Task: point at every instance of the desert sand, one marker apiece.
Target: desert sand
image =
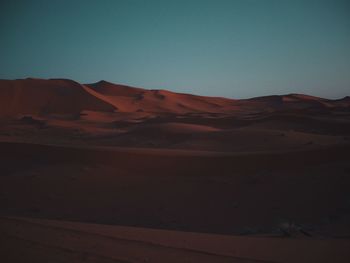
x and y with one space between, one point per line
109 173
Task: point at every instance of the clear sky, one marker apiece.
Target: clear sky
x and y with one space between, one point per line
232 48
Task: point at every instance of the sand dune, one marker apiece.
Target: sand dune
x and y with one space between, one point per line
135 99
104 113
60 96
264 179
41 97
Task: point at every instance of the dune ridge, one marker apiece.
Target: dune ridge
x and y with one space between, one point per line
63 96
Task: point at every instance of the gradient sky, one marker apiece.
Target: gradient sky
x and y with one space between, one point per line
232 48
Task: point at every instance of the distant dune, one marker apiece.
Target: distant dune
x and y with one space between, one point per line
103 113
62 96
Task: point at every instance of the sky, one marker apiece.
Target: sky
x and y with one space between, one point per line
229 48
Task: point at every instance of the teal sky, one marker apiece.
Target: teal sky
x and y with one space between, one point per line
231 48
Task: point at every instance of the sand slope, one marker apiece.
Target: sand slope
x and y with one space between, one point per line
129 99
48 240
41 97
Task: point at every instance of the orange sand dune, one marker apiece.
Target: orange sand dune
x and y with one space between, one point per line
59 96
107 114
128 99
41 97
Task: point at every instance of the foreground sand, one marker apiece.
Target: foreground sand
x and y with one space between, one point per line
64 241
184 190
271 207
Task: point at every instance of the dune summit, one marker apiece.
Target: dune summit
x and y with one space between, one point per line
110 173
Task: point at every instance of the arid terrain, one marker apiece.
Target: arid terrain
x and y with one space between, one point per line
109 173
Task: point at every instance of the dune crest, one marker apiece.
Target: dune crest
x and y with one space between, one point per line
62 96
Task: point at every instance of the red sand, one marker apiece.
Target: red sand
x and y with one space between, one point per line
274 170
105 243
